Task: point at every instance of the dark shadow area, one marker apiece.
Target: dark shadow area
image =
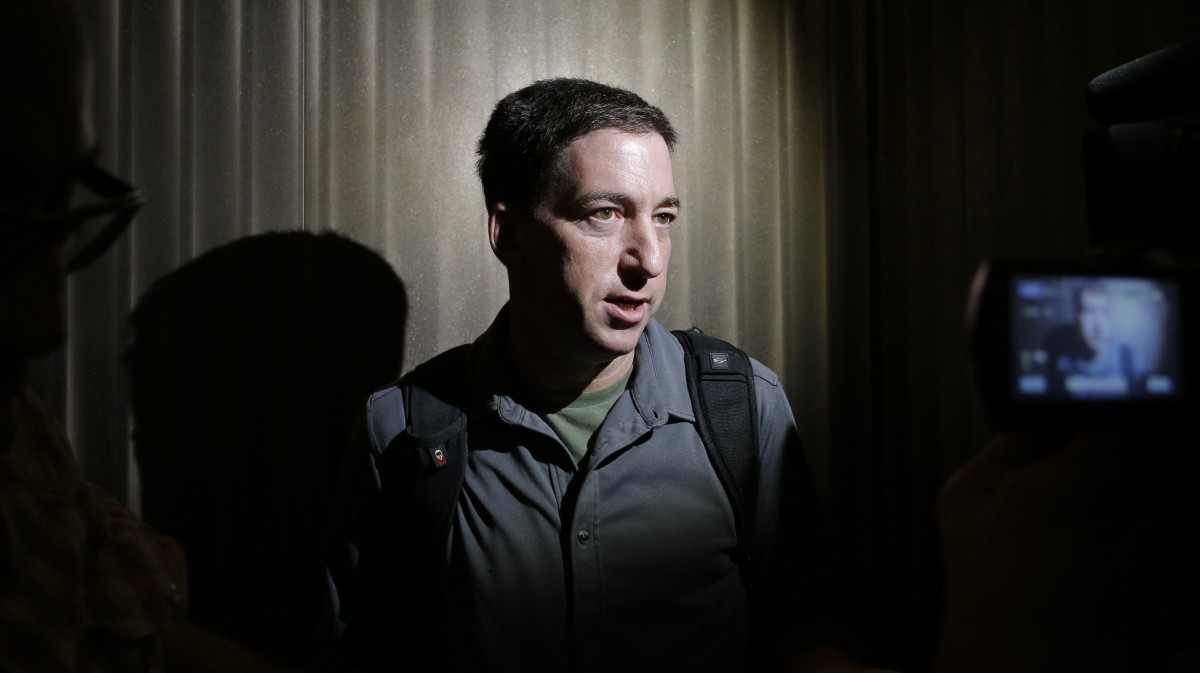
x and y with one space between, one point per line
248 368
968 142
1069 540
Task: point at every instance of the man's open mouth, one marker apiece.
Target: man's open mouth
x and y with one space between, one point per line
627 304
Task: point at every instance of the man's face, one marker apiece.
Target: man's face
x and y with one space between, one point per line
1095 319
590 269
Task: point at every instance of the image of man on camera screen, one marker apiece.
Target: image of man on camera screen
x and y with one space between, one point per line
1112 345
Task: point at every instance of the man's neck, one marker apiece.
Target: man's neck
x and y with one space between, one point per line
548 368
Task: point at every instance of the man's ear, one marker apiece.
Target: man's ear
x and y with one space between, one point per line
503 223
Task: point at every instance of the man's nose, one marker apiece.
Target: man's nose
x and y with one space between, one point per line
647 248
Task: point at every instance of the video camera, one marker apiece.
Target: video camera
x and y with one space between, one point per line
1100 343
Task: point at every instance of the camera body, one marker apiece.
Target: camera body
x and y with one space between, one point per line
1083 346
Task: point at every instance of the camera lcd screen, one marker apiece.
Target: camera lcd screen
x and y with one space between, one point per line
1108 338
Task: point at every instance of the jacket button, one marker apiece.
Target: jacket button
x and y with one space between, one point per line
583 536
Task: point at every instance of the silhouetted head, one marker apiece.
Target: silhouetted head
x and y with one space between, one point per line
45 131
248 368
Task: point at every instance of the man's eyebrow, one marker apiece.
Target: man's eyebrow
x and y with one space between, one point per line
589 198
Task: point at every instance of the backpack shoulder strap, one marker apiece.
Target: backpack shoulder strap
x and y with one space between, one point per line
419 427
720 381
428 403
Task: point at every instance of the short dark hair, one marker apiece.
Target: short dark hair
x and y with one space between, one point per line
530 130
1077 296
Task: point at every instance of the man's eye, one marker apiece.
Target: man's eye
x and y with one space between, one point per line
604 214
664 219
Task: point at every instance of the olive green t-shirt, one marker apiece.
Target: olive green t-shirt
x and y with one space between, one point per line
577 416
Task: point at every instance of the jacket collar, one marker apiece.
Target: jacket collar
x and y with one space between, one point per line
657 390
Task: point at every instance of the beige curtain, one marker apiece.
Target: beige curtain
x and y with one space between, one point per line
361 116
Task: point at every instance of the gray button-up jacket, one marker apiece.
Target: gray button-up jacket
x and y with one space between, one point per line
624 562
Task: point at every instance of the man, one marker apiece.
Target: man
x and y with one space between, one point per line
590 531
1087 359
83 584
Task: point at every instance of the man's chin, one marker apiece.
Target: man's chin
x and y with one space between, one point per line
618 342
